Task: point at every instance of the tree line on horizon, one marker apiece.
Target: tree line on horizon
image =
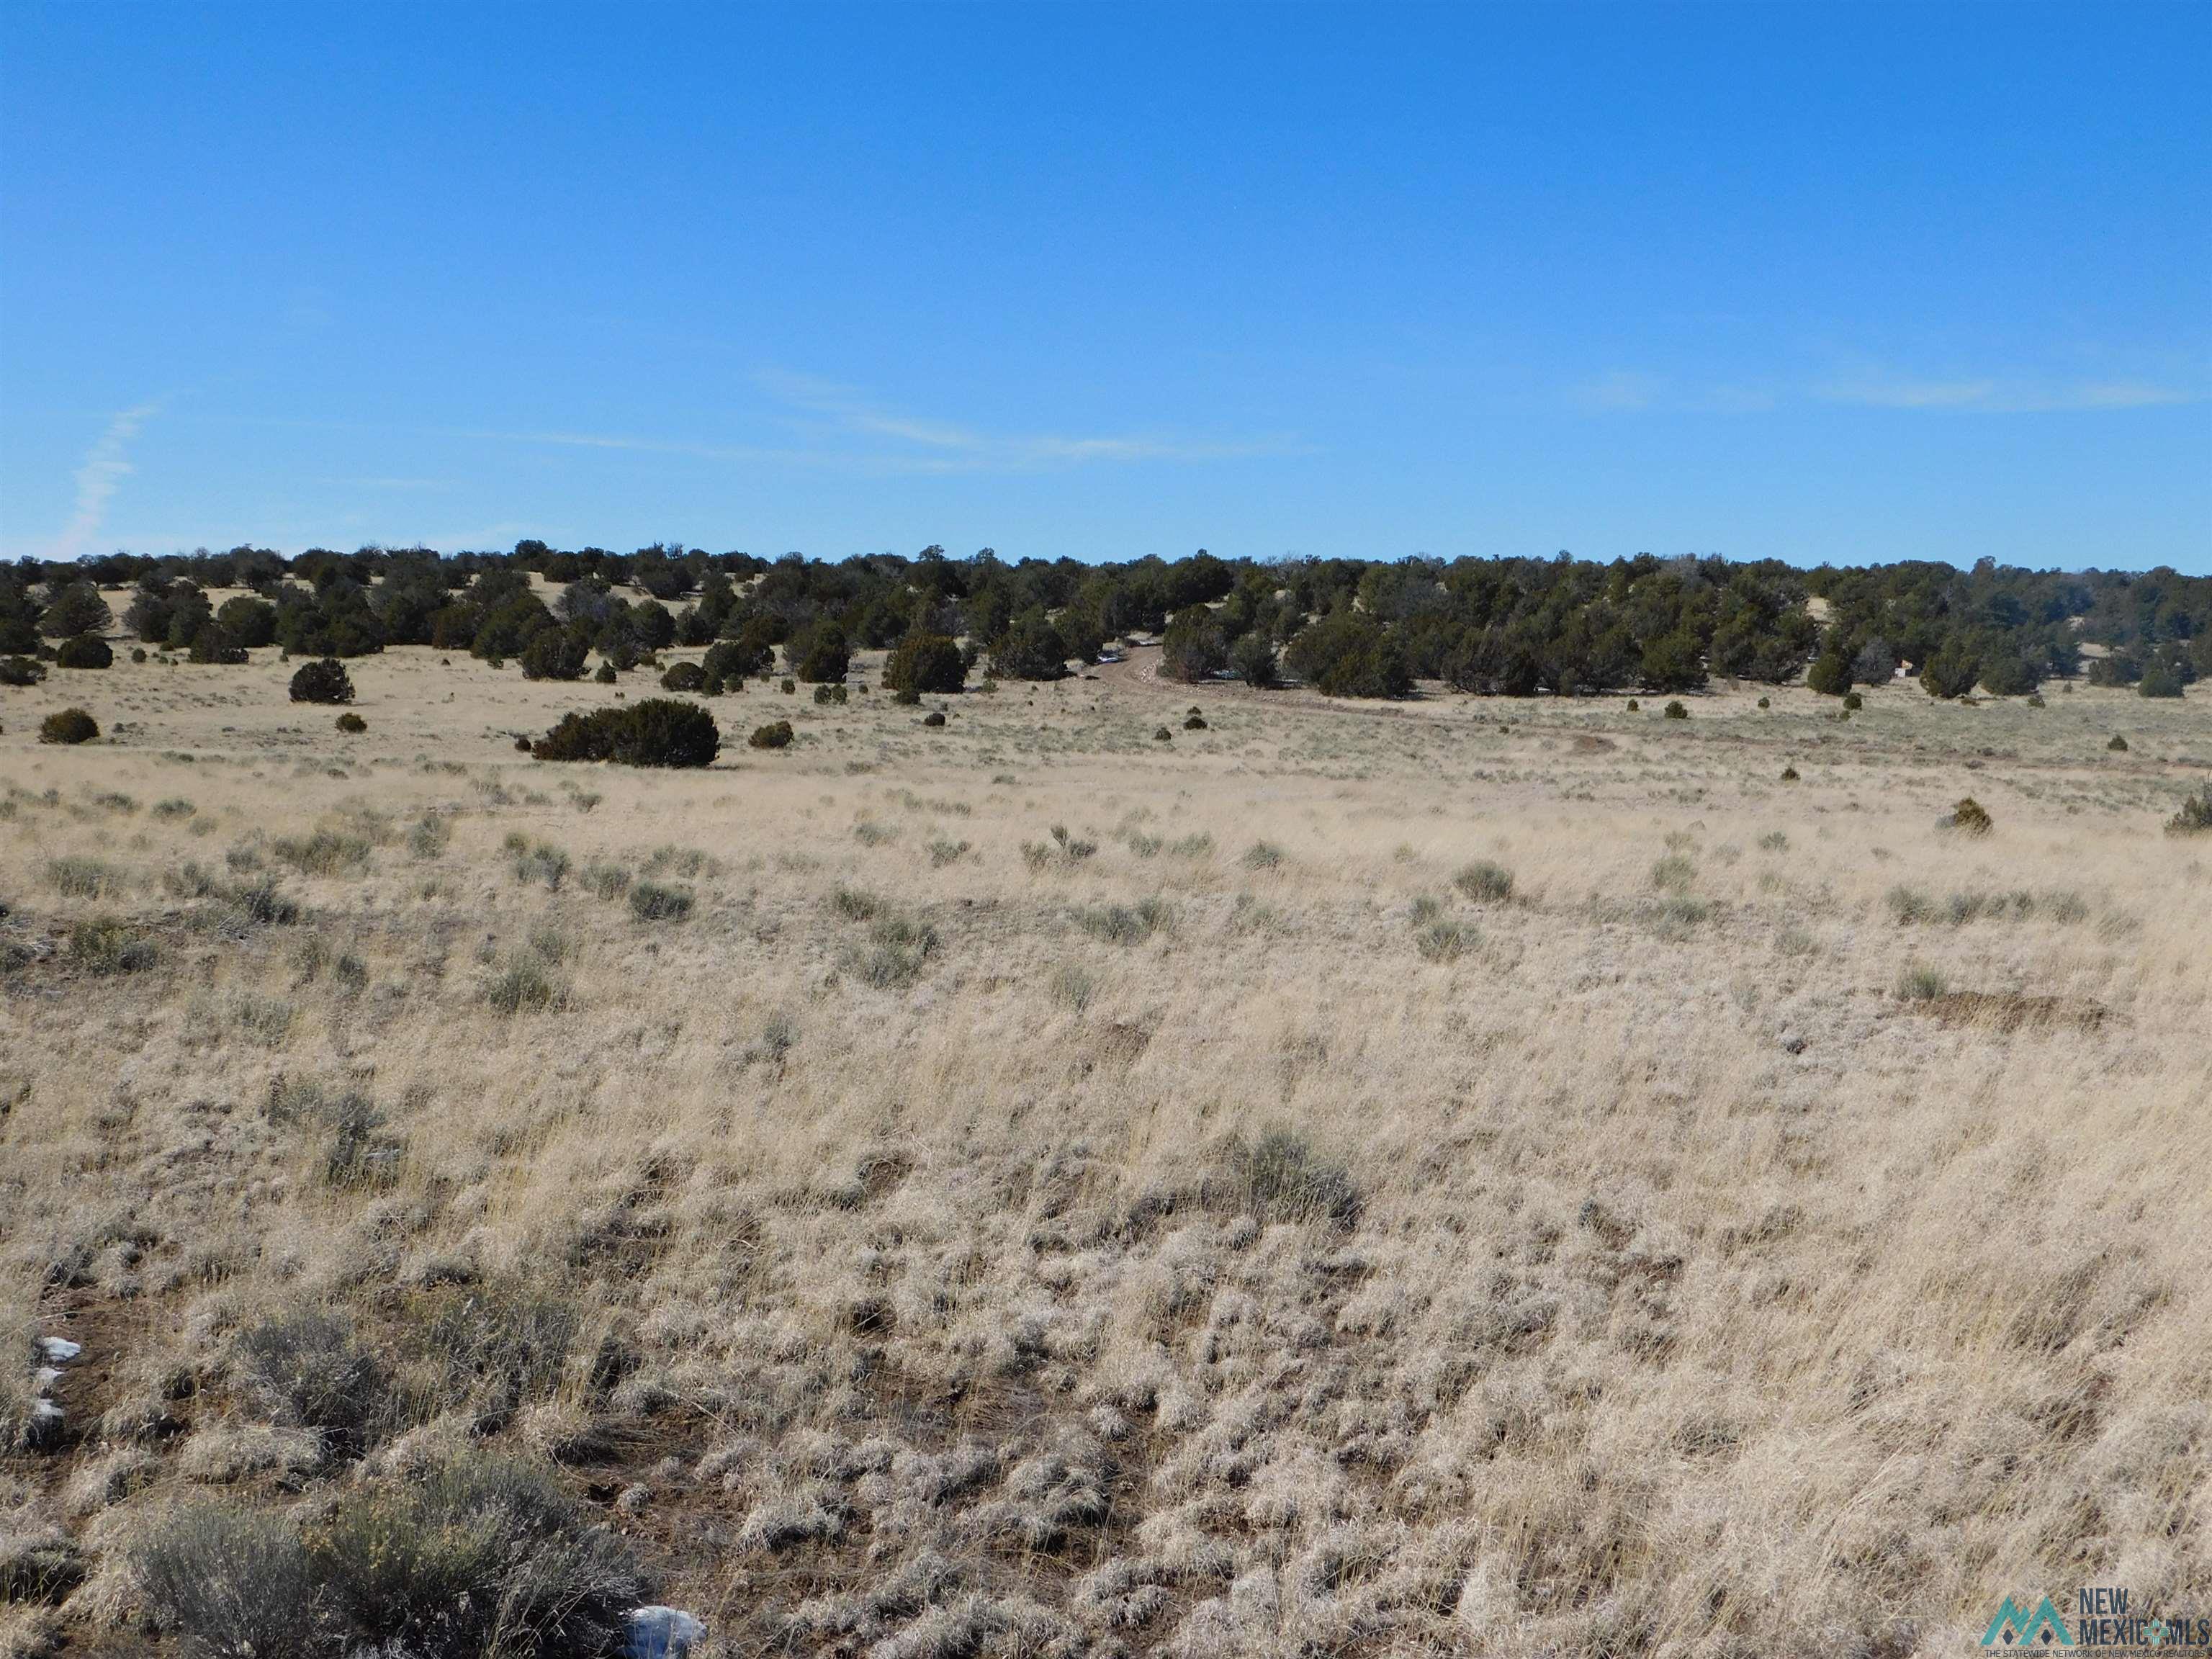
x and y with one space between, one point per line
1512 627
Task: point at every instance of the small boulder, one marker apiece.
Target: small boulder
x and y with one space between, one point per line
662 1633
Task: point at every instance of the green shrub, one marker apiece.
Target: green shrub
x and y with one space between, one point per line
935 717
1444 938
1194 722
789 688
1830 674
211 644
606 675
1163 736
650 901
777 735
683 677
21 671
1920 984
67 725
1484 882
351 724
325 680
543 862
734 661
2118 746
1126 924
250 623
897 950
1789 774
2160 679
522 986
1262 855
1675 711
554 654
1952 671
325 853
1853 702
656 731
1766 702
84 650
924 662
826 657
2194 817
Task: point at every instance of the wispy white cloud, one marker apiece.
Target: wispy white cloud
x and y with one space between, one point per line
106 465
926 445
385 483
1623 391
1999 395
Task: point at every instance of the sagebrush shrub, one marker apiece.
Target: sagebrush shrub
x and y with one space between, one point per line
1444 938
1484 882
1279 1177
898 949
325 680
351 724
235 1583
650 901
104 945
478 1556
21 671
1675 711
305 1369
2118 746
934 717
776 734
1920 984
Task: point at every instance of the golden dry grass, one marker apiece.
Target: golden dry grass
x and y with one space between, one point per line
1778 1226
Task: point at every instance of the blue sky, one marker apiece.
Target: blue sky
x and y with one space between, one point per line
1850 283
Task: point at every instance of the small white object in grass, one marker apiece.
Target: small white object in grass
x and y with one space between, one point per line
43 1378
58 1351
662 1633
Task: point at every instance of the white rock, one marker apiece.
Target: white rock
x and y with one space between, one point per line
58 1351
662 1633
43 1378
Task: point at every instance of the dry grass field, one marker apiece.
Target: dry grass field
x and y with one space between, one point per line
1466 1177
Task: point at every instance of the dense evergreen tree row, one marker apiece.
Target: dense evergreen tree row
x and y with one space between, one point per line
1512 627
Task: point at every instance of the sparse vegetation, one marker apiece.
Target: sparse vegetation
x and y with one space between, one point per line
1046 1193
